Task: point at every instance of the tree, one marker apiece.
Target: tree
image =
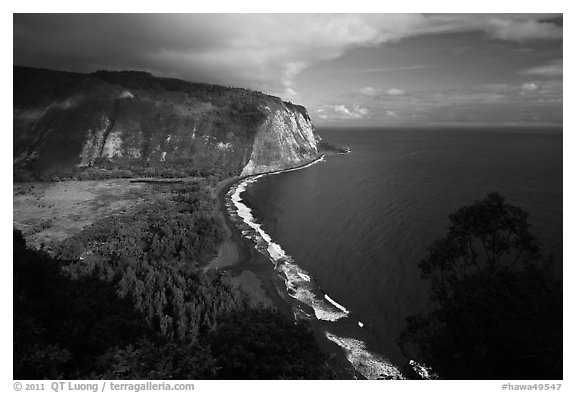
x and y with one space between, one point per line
497 304
263 344
62 326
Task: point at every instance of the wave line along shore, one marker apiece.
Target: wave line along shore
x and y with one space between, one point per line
298 282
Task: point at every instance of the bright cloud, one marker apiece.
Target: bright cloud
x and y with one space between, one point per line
342 112
377 92
529 86
395 92
370 91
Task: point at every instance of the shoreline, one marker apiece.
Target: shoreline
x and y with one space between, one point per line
246 269
237 255
251 271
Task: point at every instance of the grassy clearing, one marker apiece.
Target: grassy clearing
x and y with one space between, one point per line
48 213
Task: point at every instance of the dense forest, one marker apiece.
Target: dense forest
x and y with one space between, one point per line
126 299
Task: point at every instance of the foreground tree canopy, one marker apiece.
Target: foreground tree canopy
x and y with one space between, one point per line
497 304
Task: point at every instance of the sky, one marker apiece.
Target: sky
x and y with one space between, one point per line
347 69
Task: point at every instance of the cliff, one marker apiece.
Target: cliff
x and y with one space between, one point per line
284 139
109 124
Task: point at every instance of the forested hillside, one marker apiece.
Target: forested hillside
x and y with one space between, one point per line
126 299
112 124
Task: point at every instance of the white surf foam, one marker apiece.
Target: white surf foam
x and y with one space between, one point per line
422 370
299 287
369 364
338 306
297 280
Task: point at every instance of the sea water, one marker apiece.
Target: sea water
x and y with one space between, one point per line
345 235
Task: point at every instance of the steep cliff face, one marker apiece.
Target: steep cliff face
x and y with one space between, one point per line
285 139
133 124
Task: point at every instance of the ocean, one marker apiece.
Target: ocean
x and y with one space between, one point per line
345 234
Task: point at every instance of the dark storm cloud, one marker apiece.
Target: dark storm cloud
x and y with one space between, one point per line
88 42
273 52
261 50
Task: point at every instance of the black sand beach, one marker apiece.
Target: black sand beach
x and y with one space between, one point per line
248 269
254 274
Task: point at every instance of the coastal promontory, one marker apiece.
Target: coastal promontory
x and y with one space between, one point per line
128 123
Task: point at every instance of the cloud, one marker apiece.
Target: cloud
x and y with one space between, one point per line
529 86
386 69
513 30
395 92
262 51
354 113
551 70
510 103
378 93
490 94
370 91
342 112
503 95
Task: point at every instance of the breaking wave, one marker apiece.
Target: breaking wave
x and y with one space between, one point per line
369 364
298 282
